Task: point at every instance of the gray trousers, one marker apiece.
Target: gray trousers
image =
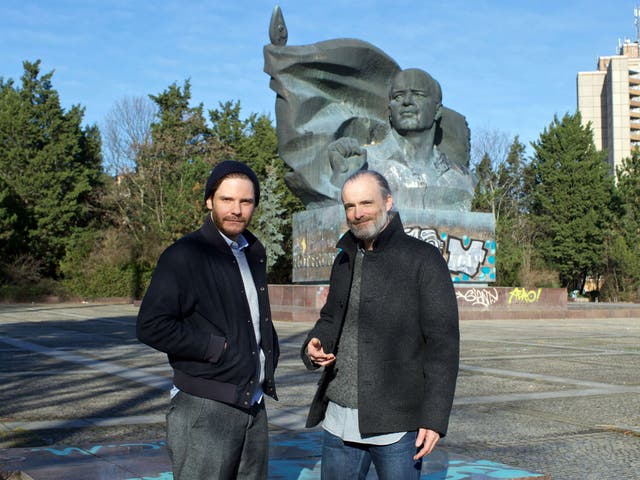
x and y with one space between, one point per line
210 440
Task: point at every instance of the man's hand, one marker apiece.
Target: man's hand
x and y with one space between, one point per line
426 439
316 354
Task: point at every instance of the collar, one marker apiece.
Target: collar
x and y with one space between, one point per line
238 244
350 243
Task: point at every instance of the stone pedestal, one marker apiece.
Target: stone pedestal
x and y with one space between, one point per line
465 239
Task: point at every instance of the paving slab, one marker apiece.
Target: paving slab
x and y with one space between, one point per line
80 398
293 455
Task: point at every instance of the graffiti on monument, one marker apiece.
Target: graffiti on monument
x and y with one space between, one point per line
483 297
467 258
522 295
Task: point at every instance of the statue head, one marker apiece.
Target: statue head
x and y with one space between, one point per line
415 101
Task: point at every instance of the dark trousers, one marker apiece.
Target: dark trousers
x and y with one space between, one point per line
351 461
207 439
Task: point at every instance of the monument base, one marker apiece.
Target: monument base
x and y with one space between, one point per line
302 303
465 239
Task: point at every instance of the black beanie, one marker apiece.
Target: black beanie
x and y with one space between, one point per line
228 167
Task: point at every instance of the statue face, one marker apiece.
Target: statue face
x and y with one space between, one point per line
414 104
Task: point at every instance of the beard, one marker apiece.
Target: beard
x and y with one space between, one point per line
367 231
230 225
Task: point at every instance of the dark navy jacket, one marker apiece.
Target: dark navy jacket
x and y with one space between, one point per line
196 303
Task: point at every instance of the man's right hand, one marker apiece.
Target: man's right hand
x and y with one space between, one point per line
316 353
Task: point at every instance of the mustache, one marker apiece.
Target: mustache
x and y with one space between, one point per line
362 220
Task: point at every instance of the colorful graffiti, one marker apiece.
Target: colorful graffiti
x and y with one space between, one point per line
428 235
522 295
468 259
483 297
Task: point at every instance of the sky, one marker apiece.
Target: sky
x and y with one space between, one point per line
508 66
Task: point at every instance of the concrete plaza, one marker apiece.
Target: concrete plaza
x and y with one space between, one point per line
80 398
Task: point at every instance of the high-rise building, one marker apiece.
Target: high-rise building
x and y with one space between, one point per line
609 98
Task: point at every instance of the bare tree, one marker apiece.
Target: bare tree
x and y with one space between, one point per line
127 129
489 153
126 133
493 143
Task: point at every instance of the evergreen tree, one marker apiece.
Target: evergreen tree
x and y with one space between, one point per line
500 191
50 168
622 277
511 175
571 197
270 219
11 214
483 200
229 129
513 228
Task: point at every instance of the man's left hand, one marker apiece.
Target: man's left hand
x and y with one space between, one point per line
426 439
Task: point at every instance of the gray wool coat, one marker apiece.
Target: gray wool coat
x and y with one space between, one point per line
408 336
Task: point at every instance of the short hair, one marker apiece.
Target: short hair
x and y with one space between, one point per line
382 182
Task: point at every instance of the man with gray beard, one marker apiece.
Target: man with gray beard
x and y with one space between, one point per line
388 340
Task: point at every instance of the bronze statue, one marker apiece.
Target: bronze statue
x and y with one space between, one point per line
418 172
344 105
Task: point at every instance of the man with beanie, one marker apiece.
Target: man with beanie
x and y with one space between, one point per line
388 339
207 308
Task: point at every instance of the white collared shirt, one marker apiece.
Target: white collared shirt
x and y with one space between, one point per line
237 247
